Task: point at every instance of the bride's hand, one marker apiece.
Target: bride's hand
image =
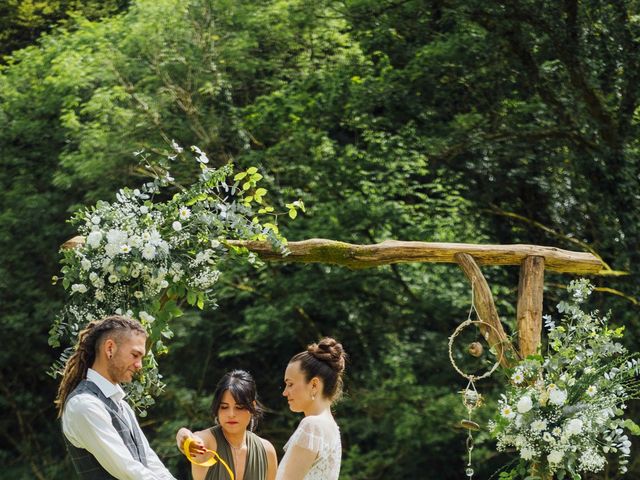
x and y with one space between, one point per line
195 447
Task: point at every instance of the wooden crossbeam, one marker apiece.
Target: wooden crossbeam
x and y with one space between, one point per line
319 250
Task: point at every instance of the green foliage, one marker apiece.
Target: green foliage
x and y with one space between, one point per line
413 120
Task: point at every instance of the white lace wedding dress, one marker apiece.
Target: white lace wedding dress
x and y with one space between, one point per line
320 434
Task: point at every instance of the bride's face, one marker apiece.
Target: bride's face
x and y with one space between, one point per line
297 390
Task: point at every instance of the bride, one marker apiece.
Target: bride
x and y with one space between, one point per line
313 381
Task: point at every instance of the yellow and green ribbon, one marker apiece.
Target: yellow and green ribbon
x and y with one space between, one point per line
212 460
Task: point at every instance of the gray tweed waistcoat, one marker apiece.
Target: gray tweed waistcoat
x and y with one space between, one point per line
86 465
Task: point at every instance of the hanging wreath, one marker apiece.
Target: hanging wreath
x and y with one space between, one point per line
147 253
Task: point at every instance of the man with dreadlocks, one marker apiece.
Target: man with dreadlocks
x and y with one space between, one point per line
100 429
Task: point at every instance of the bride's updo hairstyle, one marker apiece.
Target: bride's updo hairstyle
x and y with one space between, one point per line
325 360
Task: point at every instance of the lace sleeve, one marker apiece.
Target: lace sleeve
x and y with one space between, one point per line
308 435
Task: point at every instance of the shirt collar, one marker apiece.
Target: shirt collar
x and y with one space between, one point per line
110 390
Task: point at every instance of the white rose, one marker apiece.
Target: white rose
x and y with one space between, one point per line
524 404
85 264
177 226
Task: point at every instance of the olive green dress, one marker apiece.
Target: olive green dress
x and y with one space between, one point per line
256 466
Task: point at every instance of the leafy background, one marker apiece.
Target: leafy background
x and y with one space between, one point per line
433 120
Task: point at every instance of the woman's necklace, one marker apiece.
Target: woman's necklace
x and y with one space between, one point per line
236 451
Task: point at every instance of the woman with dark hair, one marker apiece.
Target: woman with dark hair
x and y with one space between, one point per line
313 382
236 410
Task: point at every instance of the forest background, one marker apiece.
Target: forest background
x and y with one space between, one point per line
433 120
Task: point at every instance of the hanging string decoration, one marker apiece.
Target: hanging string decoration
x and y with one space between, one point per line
471 399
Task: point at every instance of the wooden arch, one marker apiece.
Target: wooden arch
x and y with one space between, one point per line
532 259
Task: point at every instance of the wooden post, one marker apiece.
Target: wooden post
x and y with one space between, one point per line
529 310
486 308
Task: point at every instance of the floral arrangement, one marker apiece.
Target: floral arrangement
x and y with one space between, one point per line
147 253
563 413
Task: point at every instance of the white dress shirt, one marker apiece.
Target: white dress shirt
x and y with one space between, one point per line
87 424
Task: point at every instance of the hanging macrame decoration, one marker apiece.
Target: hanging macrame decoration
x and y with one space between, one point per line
471 399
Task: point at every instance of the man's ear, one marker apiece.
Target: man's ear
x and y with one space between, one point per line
110 347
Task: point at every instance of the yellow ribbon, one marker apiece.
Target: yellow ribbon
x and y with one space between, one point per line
215 458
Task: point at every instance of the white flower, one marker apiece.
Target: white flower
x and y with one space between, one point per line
144 209
113 278
149 252
124 248
184 213
202 157
85 264
557 396
138 294
547 437
574 427
155 238
538 425
146 317
517 377
589 370
557 431
592 390
555 456
524 404
94 239
177 226
100 295
215 243
527 453
176 147
135 241
78 287
96 220
164 284
507 412
117 237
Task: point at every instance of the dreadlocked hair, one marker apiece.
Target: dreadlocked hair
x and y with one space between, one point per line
89 341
